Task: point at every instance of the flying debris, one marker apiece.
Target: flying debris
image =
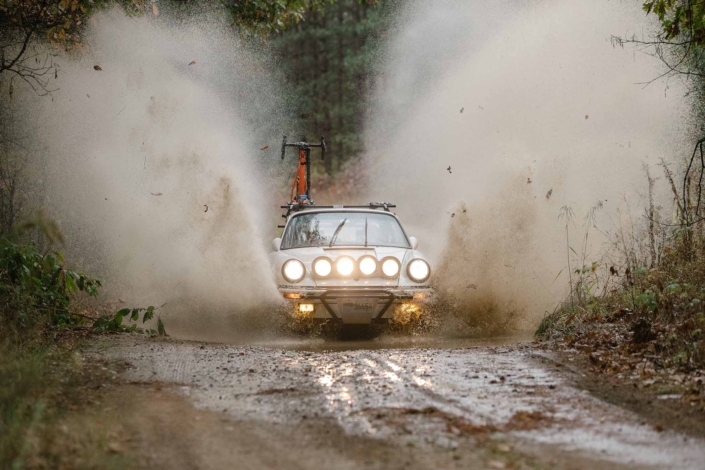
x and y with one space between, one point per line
449 169
548 194
97 67
206 206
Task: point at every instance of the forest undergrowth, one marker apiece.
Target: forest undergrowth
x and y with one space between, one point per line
46 311
638 313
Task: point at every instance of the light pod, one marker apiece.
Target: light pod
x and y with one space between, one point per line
293 271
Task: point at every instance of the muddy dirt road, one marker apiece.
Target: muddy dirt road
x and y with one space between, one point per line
377 405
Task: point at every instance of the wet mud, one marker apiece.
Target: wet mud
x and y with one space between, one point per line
412 395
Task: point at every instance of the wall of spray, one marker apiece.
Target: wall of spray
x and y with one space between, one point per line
152 164
533 109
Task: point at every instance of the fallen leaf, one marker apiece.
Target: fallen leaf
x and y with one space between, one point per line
156 194
121 301
471 286
206 206
265 147
97 67
528 180
155 10
453 214
548 194
115 448
193 62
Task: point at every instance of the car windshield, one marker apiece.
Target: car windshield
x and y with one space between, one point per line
344 229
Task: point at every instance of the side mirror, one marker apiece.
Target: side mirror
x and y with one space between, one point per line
414 242
276 244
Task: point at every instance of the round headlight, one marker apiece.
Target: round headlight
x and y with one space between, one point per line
368 265
322 267
345 266
390 267
293 270
418 270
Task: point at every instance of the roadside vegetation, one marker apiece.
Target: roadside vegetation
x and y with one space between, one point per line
639 312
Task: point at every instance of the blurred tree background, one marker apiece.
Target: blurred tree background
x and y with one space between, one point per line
329 63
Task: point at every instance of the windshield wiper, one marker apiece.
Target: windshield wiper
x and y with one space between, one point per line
337 231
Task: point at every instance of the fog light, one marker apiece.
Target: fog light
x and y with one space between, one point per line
292 295
306 308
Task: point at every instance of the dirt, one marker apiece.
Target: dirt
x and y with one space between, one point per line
199 405
660 407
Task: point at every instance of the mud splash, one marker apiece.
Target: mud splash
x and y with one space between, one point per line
492 117
150 165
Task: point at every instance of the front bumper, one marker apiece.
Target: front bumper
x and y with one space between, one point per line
355 305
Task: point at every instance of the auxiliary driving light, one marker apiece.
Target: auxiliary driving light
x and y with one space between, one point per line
390 267
368 265
345 265
306 308
293 270
322 267
418 270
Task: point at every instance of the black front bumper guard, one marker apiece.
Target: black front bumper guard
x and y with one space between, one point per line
383 295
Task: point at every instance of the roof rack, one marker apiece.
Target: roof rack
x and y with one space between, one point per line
293 207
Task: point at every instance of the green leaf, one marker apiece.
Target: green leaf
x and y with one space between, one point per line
135 314
122 313
559 273
160 327
149 314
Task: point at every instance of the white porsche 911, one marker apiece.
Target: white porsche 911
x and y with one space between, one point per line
349 265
